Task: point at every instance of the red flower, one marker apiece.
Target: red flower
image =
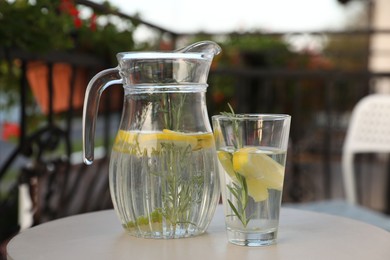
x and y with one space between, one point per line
73 11
77 22
93 22
68 7
65 6
10 130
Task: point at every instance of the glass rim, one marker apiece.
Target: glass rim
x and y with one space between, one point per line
248 116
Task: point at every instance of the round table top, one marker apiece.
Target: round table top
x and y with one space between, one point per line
302 235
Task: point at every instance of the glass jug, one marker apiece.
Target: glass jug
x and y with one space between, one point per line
163 169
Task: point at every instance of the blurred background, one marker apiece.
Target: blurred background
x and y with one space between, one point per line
312 59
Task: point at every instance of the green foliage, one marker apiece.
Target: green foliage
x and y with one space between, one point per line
47 25
348 53
241 52
34 27
9 79
257 43
106 41
258 51
43 26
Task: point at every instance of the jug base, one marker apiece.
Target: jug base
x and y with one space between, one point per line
178 233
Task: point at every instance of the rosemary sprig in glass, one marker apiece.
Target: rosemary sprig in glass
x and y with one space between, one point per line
239 188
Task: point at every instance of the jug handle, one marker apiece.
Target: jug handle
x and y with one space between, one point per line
95 87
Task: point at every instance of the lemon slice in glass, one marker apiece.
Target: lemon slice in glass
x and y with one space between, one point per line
225 160
252 164
256 188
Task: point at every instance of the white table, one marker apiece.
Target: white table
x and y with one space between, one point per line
302 235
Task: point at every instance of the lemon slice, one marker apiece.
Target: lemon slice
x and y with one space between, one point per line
259 166
134 142
153 141
225 160
256 188
203 140
125 142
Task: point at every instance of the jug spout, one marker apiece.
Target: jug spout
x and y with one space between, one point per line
206 47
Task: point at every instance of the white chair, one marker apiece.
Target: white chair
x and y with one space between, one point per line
368 132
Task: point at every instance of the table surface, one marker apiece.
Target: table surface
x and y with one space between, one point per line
302 235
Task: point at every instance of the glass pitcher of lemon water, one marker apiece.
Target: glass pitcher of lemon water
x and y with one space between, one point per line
163 168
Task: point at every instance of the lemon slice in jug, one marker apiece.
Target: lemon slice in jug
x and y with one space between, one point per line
203 140
134 142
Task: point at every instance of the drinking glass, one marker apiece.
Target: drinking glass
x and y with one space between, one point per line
252 150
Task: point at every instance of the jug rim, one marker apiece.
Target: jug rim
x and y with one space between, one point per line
155 55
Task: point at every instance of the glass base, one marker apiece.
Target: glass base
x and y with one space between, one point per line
248 238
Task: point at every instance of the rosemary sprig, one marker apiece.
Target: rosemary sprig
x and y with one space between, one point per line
239 188
179 194
172 110
236 140
240 192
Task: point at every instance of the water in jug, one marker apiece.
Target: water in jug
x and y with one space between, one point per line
163 173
